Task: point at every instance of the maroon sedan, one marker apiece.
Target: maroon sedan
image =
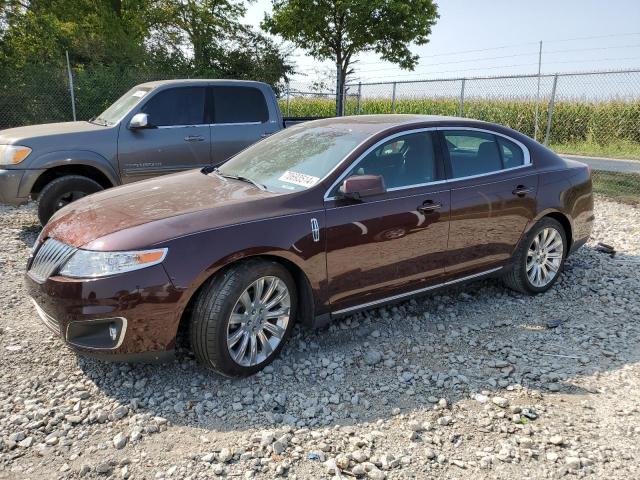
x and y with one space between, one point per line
322 219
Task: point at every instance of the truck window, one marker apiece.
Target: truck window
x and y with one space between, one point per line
239 105
177 106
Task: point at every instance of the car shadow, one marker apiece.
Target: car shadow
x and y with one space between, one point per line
461 341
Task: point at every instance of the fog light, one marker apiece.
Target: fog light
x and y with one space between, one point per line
102 333
113 332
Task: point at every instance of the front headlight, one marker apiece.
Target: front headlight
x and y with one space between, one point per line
91 264
13 154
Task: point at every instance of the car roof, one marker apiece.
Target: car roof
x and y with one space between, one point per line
202 81
373 124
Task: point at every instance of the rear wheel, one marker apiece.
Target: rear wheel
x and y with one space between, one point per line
61 192
243 317
539 259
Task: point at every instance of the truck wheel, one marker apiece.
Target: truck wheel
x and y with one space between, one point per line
61 192
243 317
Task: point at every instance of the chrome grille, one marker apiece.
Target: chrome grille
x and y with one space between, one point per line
49 258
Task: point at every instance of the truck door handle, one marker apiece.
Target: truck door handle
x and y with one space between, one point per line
521 190
429 206
194 138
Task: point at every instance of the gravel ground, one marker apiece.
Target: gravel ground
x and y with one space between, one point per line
475 382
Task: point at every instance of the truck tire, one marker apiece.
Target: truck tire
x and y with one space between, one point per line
61 192
243 317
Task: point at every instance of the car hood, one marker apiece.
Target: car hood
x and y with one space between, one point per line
32 133
149 212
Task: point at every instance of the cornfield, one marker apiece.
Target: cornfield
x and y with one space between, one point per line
597 123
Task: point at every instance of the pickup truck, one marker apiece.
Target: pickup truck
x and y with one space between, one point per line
154 129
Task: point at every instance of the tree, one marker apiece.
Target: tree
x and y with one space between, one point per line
339 29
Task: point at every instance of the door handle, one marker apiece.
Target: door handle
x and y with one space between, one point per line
521 190
429 206
194 138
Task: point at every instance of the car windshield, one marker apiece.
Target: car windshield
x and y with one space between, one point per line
121 107
294 159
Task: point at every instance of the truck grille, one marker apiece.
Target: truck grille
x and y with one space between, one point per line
49 258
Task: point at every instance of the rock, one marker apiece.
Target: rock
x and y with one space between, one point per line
429 454
573 463
120 440
278 447
225 455
376 474
500 402
372 357
120 412
556 440
208 458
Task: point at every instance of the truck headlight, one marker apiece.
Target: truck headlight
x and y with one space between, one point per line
92 264
13 154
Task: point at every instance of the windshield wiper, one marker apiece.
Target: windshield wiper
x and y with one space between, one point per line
241 178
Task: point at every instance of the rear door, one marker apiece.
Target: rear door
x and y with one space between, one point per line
493 197
240 118
179 137
394 242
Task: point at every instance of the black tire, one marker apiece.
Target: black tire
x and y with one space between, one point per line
214 305
62 191
517 278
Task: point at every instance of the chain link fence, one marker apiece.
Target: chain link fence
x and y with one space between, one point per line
590 114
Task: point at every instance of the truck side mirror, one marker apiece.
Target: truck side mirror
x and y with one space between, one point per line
138 121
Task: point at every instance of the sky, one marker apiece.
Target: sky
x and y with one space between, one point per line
497 37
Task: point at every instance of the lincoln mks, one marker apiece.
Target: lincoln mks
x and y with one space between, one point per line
317 221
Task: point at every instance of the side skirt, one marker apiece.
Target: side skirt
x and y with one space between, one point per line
403 296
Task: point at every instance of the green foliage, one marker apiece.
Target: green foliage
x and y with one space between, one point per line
340 29
194 38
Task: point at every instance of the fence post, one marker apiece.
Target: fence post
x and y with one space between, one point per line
393 99
552 102
288 99
73 98
535 126
338 91
359 96
462 98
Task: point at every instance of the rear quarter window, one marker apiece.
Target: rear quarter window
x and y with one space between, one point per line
239 105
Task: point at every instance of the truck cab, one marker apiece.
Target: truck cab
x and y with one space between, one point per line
154 129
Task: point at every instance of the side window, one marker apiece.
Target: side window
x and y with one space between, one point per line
404 161
176 106
472 153
239 105
512 155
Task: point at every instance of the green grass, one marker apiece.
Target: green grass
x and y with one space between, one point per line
616 149
620 186
608 129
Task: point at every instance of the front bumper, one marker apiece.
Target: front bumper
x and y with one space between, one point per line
127 317
10 187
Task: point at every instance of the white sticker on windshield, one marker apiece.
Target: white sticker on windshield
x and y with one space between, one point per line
298 178
139 93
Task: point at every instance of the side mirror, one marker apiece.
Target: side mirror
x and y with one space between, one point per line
139 120
358 186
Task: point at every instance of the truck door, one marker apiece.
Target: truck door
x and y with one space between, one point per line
179 137
240 118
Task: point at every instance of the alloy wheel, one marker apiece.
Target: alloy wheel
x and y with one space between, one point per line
544 257
258 321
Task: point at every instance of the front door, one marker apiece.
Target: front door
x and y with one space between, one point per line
179 137
493 197
240 118
394 242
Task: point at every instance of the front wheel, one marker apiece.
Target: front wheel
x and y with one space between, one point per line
61 192
243 317
539 258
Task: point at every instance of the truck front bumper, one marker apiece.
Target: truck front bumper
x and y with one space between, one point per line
10 187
